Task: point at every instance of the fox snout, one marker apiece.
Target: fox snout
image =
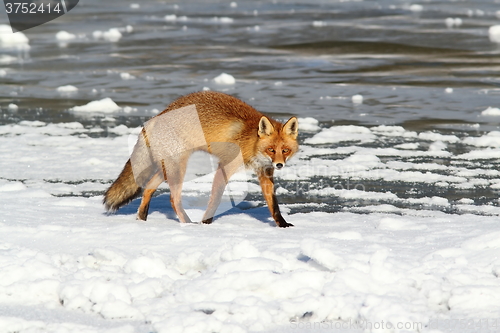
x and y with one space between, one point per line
278 166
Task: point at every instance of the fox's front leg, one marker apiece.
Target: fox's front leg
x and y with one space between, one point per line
267 184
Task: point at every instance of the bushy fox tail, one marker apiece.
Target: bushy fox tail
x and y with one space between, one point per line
123 190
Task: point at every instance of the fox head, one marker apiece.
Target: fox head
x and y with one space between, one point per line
278 143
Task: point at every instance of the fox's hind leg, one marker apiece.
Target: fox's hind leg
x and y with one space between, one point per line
151 186
175 170
221 179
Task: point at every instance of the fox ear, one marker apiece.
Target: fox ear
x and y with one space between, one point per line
265 127
291 128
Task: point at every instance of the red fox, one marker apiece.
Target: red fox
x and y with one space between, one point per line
228 127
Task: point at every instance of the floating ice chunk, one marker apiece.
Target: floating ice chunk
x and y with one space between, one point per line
3 72
135 6
10 39
318 24
393 131
416 8
127 76
431 136
174 17
112 35
492 139
466 201
448 90
224 20
128 109
494 33
308 124
7 59
409 146
35 123
67 89
438 146
72 125
357 99
491 111
104 105
13 107
233 5
342 134
225 79
453 22
65 36
129 28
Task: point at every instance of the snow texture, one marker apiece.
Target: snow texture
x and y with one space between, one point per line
68 267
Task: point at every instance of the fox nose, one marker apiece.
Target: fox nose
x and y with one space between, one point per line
279 165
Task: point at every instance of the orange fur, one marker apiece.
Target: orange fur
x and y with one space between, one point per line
265 145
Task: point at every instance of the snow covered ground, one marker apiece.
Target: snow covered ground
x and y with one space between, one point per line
390 263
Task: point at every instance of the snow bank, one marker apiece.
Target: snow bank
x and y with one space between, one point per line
67 266
105 105
233 277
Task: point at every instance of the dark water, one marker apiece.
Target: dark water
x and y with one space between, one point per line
304 58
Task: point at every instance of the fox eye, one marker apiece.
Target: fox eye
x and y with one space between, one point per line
286 151
271 150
